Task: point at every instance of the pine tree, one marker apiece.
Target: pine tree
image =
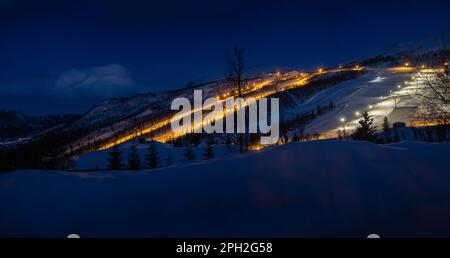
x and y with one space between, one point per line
115 158
339 134
141 140
169 159
386 125
134 161
295 138
189 154
152 157
387 130
208 152
366 130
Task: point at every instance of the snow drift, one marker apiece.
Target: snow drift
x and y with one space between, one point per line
312 189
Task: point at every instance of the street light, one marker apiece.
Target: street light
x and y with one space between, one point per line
356 113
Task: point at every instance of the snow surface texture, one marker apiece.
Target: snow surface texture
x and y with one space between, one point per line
312 189
375 92
99 159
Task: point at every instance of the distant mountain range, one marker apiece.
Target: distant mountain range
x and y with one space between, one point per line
15 124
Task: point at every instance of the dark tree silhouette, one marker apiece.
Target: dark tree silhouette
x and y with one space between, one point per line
189 153
134 161
235 70
115 158
386 125
387 130
152 157
366 130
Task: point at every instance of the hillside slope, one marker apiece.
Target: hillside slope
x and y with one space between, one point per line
16 124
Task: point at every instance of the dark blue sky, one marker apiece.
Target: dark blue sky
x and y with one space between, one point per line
63 56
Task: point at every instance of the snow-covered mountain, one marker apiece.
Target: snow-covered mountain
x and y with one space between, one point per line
15 124
352 90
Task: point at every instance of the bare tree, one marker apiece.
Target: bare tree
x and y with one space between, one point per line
433 94
235 70
432 86
284 131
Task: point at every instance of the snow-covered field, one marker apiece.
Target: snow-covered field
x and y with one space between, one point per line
310 189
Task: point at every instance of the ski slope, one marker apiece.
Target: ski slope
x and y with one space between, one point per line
375 92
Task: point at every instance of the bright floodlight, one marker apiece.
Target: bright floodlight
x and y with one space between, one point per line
370 106
342 119
398 86
356 113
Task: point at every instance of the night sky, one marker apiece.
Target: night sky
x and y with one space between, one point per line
64 56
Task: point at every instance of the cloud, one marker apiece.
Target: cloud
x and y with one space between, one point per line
104 81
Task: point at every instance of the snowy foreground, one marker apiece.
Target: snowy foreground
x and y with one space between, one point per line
314 189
